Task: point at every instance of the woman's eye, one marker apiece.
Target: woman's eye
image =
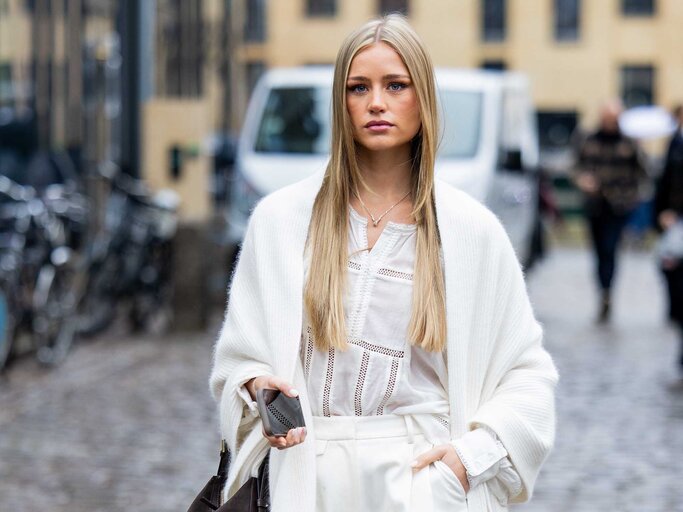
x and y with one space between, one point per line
354 88
397 86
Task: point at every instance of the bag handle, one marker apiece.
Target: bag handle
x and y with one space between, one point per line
218 482
263 501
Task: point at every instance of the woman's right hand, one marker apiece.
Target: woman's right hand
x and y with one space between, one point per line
294 436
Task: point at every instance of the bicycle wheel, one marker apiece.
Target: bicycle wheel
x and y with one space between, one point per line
7 322
97 306
54 324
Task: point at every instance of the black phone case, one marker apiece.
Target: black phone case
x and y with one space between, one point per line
279 412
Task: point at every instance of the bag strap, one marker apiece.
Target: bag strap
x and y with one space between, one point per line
263 501
218 482
224 464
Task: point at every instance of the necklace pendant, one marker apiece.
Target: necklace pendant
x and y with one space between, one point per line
375 222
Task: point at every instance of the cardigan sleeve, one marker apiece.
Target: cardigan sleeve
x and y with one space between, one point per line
241 351
518 396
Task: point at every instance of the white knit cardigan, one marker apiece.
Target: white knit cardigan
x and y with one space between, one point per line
499 374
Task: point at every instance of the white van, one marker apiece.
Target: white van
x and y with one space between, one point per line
489 147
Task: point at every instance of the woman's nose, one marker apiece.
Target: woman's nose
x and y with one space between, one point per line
377 102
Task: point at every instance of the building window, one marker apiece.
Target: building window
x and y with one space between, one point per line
567 19
387 6
321 7
493 65
254 71
638 7
493 20
637 85
555 128
255 22
179 48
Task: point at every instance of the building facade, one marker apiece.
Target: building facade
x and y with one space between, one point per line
577 53
200 59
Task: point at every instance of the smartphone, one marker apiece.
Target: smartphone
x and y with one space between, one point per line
280 413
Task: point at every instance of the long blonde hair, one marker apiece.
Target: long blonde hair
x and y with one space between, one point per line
327 244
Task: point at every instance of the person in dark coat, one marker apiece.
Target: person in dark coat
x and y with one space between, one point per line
610 175
668 211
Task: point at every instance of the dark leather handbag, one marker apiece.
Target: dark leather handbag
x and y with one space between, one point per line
253 496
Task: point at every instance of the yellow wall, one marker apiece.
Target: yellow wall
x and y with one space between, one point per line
15 44
184 122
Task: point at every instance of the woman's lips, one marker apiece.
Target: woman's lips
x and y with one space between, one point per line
379 127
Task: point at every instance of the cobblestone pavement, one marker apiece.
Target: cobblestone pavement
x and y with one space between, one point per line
620 420
127 424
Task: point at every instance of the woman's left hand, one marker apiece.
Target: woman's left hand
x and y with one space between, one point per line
445 453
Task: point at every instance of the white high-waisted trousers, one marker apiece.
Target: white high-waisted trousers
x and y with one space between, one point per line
363 464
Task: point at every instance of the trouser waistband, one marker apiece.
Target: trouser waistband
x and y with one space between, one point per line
368 427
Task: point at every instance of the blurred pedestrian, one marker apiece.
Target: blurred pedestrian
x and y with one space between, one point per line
610 174
408 339
669 215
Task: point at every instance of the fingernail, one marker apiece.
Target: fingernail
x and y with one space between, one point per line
413 464
293 392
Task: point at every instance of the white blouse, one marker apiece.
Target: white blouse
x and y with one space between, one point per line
380 372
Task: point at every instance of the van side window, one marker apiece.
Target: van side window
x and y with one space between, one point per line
515 130
461 116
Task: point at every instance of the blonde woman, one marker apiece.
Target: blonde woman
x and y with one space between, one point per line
393 305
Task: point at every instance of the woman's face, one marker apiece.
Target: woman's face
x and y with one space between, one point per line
379 90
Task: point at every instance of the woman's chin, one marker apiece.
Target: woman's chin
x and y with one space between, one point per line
378 144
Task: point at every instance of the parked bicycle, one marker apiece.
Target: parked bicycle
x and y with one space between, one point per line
130 261
39 236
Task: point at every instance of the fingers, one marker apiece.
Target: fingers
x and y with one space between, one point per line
274 382
294 437
425 459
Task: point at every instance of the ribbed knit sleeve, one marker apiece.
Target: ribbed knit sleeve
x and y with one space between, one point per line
519 390
241 351
260 335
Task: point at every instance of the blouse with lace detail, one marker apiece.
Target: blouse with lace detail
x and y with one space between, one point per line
380 372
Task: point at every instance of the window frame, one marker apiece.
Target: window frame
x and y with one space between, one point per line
255 21
382 9
623 79
488 33
562 31
630 9
321 8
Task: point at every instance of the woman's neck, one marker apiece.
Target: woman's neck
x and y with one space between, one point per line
388 173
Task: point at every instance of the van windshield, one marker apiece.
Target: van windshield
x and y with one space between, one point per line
461 115
297 120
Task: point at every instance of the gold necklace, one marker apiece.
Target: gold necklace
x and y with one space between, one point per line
376 221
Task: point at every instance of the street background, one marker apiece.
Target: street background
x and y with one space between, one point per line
134 111
127 423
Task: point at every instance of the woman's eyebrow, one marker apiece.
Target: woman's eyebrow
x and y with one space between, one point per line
385 77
